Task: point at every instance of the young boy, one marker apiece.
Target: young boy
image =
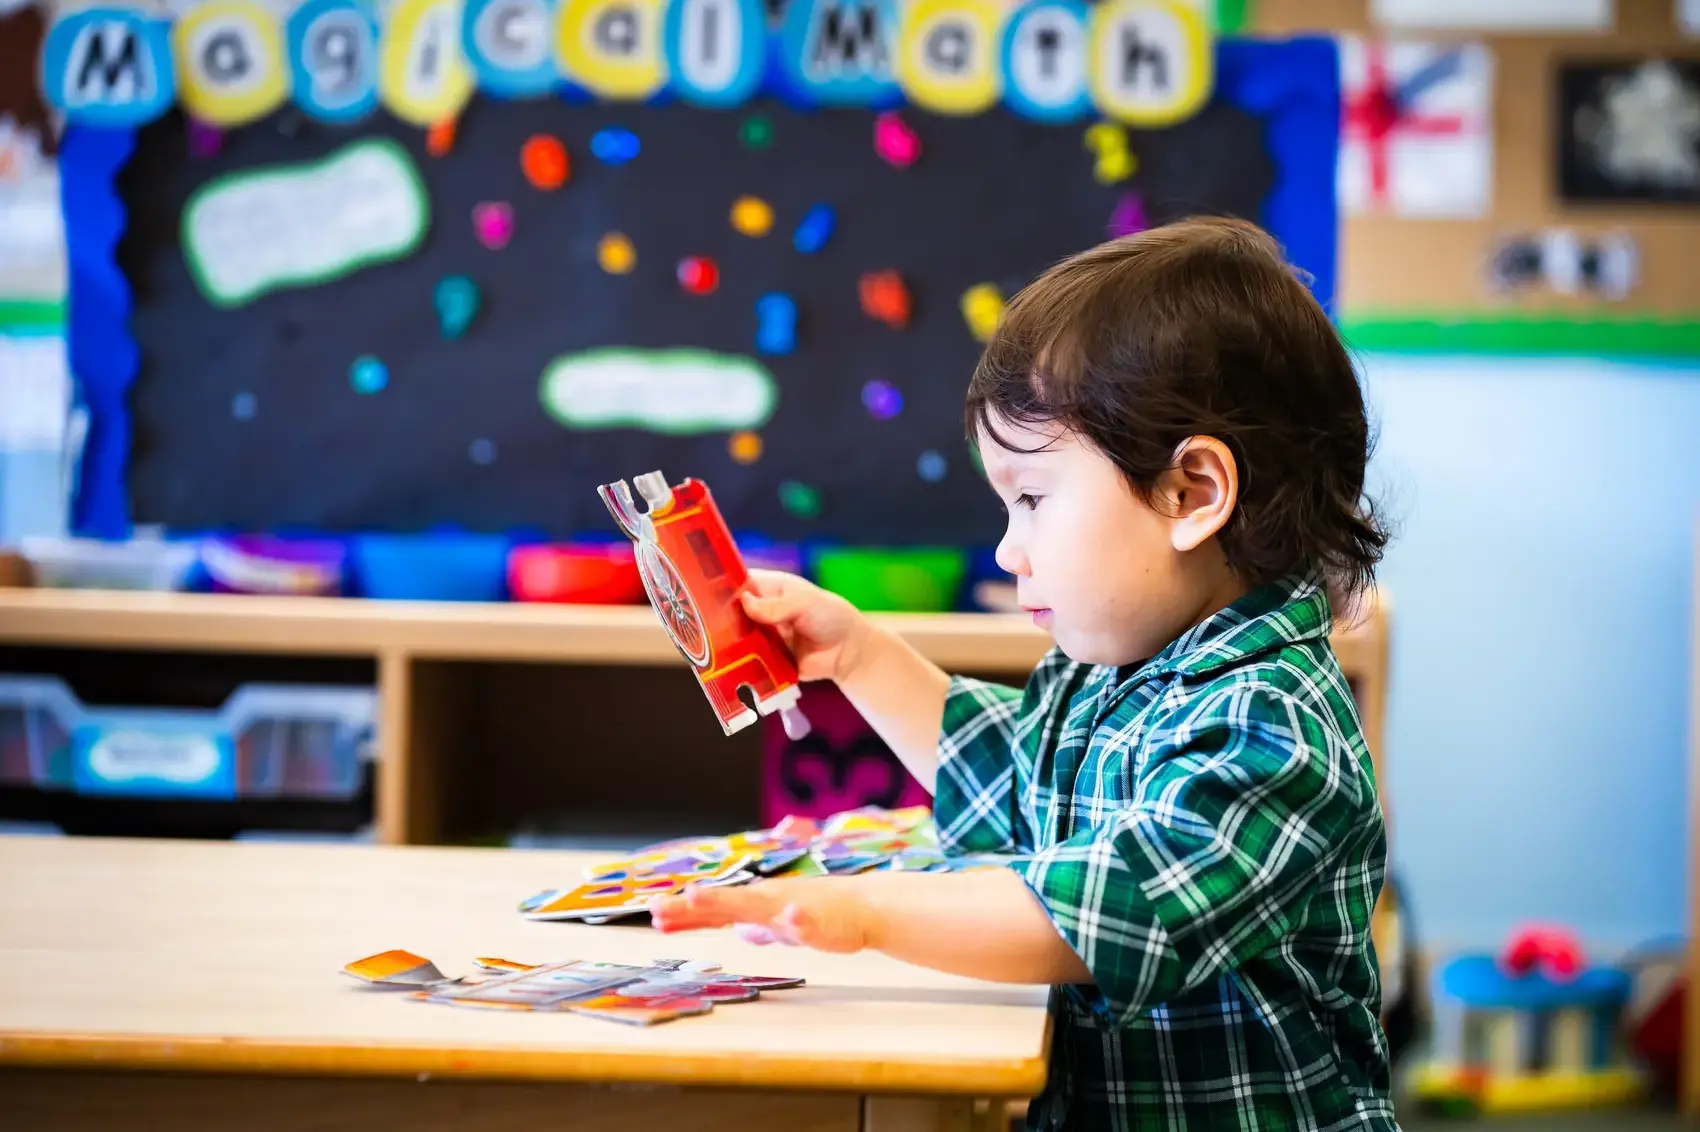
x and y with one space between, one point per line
1180 440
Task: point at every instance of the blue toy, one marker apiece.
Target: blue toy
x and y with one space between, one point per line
1512 1037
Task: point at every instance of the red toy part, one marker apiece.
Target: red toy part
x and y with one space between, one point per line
1553 951
694 573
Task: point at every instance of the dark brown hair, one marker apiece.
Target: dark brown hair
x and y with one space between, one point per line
1199 328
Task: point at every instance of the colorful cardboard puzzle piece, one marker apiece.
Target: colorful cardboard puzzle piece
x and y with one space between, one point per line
645 996
694 575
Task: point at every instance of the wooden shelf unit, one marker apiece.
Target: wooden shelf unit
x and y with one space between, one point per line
487 706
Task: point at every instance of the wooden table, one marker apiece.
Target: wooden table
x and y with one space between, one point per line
213 969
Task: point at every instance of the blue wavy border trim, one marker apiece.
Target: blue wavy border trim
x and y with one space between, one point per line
1292 85
103 357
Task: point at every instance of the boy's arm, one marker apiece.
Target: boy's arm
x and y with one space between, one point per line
968 742
1210 868
985 923
902 696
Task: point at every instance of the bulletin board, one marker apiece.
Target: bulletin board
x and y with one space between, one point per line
1400 270
250 417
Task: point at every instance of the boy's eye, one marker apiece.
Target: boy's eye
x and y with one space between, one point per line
1027 501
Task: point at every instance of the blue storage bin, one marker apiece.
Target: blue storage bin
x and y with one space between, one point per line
268 741
437 567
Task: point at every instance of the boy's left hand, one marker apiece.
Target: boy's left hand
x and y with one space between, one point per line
825 913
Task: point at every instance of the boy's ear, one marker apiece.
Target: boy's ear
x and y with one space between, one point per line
1202 486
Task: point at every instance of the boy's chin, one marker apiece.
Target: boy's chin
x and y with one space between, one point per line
1091 648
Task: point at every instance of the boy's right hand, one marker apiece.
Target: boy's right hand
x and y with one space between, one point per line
825 633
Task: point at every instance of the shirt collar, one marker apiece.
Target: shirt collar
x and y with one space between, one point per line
1284 612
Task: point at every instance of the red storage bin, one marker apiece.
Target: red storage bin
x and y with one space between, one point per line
581 575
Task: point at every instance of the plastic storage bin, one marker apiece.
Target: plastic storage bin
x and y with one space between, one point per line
432 567
924 580
582 575
268 742
90 564
261 564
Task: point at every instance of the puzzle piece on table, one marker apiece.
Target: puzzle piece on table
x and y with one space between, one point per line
855 841
793 832
875 820
608 898
397 969
660 992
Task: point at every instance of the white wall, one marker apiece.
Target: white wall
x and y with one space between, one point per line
1537 756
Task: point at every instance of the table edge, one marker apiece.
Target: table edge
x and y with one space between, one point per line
271 1057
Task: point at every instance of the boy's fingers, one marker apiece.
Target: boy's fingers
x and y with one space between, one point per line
770 608
757 934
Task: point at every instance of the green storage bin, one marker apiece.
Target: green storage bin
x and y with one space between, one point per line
920 580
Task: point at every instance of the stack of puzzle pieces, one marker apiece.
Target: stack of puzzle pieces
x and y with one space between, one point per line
615 992
854 841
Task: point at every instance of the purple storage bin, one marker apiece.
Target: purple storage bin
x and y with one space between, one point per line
265 564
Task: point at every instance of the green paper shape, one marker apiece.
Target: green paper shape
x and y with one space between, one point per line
676 392
799 499
261 230
756 132
457 301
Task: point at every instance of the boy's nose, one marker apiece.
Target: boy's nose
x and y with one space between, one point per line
1011 559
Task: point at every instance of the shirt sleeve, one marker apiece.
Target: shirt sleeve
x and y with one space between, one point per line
1216 859
987 749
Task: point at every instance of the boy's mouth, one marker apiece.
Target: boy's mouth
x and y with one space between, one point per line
1041 615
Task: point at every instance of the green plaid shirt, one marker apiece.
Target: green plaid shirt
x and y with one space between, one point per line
1203 829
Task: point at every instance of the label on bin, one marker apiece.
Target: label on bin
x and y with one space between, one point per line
160 764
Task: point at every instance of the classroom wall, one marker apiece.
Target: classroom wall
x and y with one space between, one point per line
1541 587
1398 265
1537 745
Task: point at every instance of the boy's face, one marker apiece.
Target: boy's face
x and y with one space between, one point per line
1112 578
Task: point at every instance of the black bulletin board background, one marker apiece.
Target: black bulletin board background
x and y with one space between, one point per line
994 198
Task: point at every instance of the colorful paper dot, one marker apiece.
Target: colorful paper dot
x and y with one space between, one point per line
205 140
931 466
896 141
243 406
614 252
440 138
1114 167
613 145
756 132
368 374
799 499
698 274
752 216
882 400
815 229
543 160
493 223
456 299
482 451
1128 217
776 323
745 447
982 309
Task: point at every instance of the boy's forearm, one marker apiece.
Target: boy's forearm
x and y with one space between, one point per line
901 694
984 924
